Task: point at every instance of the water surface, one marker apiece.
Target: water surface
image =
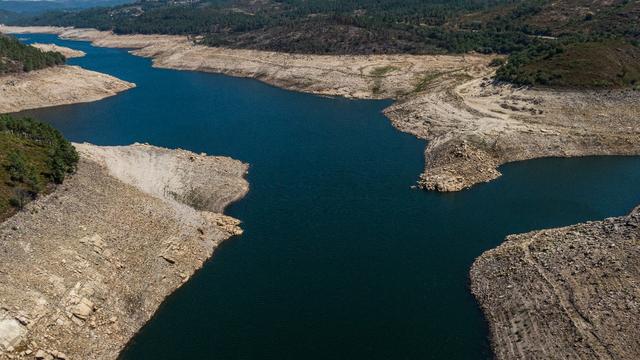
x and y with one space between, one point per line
340 258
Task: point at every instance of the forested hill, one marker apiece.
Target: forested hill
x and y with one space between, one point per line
16 57
536 30
5 16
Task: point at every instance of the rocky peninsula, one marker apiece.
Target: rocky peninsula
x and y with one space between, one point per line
567 293
473 125
67 52
86 266
59 85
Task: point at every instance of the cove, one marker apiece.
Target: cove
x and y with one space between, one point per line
340 258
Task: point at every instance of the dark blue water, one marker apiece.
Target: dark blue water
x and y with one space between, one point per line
340 258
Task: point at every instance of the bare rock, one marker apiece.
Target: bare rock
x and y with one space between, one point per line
567 293
91 276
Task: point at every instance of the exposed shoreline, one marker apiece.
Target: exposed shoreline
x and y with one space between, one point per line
59 85
473 126
67 52
564 293
85 267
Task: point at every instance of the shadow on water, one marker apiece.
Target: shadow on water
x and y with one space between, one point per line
340 259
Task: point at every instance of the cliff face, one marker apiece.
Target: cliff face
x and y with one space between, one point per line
567 293
83 268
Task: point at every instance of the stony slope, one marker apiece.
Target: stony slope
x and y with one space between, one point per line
85 267
567 293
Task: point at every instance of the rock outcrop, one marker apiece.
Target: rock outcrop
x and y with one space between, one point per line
567 293
83 268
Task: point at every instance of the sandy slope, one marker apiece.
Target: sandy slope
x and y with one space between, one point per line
85 267
58 85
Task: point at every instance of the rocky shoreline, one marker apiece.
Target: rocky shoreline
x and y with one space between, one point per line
67 52
85 267
59 85
473 125
567 293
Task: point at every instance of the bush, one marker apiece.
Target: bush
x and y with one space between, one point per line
496 62
17 166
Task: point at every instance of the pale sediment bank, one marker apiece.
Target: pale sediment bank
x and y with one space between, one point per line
567 293
84 267
59 85
67 52
473 126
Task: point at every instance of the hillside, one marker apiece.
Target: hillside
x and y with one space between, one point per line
33 155
16 57
533 32
40 6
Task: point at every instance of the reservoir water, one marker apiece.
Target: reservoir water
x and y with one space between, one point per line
340 258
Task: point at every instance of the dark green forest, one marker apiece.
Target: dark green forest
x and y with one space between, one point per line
524 29
33 155
17 57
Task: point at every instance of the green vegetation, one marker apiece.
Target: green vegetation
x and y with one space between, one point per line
604 63
17 57
306 26
497 62
33 155
377 74
533 32
383 70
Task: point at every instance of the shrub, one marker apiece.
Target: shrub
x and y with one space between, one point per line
496 62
